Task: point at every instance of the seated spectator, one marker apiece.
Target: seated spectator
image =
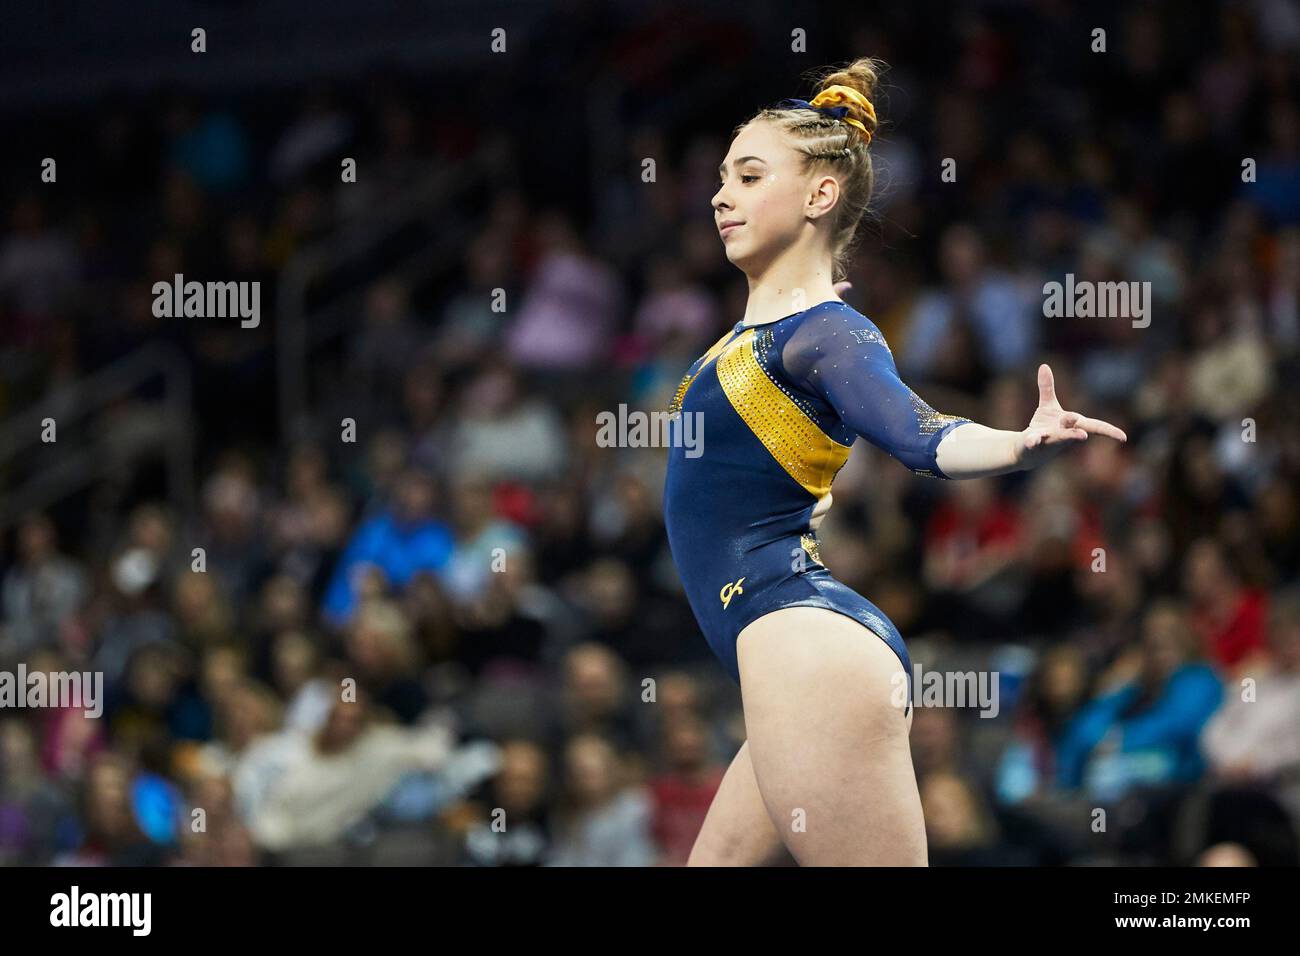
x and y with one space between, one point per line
485 543
381 646
606 822
299 791
33 808
512 826
112 835
223 840
684 790
973 538
1146 732
594 699
959 828
245 713
41 590
403 539
501 430
1227 614
1255 737
1056 688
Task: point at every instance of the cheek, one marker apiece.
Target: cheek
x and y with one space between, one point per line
777 208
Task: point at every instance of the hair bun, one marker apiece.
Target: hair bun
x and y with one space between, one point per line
861 78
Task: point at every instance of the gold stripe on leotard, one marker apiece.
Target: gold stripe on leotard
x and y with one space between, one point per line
807 453
675 405
812 546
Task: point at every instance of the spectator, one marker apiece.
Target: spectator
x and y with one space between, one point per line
606 823
1146 732
683 791
321 785
518 832
1228 615
42 591
403 539
1255 736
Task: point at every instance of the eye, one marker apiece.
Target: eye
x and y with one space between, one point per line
748 177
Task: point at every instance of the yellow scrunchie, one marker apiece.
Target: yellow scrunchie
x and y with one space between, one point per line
837 95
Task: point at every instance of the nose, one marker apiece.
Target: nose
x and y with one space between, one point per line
720 200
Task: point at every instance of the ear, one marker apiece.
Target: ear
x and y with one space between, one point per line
823 194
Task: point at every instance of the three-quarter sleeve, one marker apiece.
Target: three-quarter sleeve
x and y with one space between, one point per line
840 355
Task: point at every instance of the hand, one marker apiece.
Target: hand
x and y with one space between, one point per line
1053 428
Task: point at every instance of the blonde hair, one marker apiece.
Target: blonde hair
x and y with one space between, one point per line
841 146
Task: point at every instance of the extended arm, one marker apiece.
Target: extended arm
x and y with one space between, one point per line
978 451
843 357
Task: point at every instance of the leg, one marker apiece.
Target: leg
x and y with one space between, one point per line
737 830
829 747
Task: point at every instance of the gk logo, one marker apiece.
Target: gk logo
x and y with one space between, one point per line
728 591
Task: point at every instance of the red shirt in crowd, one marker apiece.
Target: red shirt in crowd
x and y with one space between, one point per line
1234 637
680 805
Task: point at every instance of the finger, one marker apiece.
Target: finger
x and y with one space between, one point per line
1046 385
1056 436
1098 427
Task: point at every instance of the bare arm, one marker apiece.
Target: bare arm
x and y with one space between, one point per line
977 451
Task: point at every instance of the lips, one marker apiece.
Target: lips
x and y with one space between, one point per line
727 226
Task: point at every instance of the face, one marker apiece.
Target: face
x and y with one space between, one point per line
1164 643
685 743
591 680
1063 680
522 779
1205 573
414 496
763 189
591 767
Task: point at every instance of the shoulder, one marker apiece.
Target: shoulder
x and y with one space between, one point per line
832 329
839 318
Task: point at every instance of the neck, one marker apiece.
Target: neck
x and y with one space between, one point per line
797 279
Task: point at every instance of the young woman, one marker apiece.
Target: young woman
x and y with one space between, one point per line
825 775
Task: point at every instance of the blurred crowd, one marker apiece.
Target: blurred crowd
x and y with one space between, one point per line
460 638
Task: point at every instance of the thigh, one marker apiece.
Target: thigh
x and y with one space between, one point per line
737 830
829 741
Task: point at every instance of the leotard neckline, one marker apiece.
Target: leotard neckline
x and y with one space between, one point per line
741 326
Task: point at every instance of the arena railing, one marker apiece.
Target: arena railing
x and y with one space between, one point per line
303 329
86 456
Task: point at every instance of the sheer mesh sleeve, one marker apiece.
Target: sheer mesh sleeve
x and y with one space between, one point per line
840 355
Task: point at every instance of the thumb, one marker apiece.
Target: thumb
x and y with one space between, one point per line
1046 385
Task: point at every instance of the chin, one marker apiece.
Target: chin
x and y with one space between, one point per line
738 255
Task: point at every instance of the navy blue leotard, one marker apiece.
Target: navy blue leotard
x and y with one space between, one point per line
780 405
